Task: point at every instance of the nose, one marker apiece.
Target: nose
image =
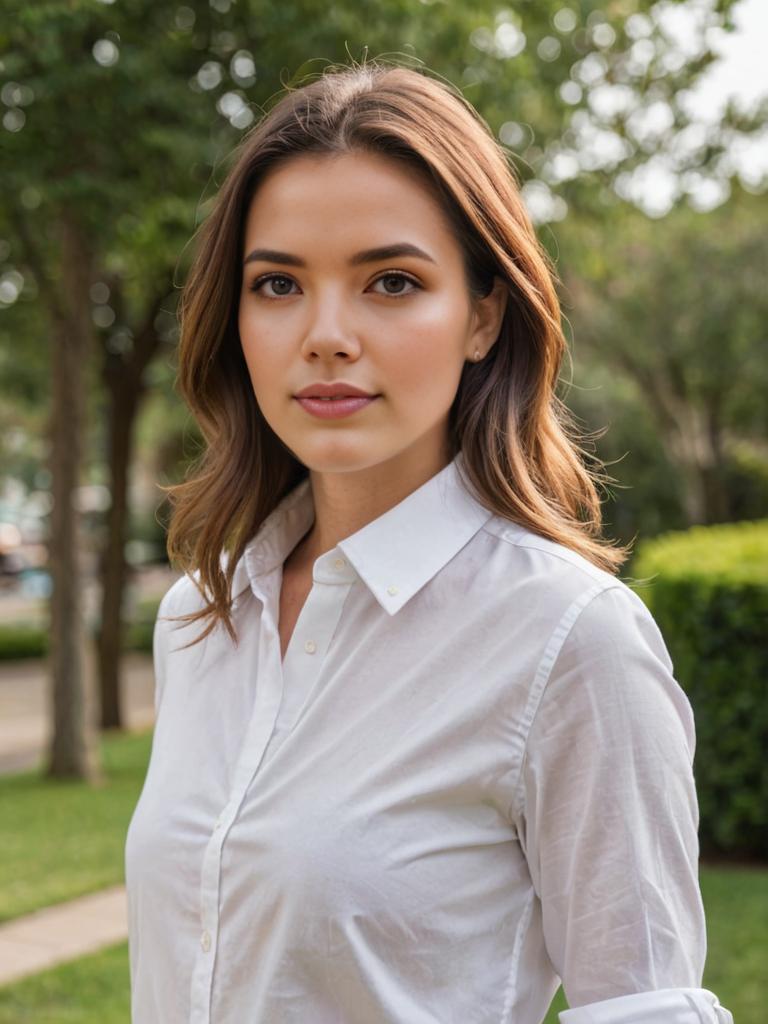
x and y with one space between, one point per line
330 331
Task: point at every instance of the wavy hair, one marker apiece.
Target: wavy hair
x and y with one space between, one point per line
521 447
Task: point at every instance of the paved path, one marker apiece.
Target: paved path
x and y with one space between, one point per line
70 930
64 932
24 707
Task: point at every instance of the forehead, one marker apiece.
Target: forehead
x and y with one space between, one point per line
348 195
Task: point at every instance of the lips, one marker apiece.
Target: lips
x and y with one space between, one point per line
336 408
333 390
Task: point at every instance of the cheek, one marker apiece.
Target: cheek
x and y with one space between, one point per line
426 354
246 337
261 350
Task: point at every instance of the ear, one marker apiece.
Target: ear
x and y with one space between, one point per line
487 317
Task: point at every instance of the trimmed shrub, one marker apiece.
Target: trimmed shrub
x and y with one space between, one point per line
138 636
709 596
21 640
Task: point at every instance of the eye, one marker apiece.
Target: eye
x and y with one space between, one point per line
397 277
278 281
280 285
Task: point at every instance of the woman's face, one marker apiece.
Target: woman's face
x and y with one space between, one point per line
319 305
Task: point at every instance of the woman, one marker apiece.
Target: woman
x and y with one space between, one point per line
427 757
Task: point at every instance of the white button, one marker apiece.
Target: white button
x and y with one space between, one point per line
217 824
205 941
310 647
339 563
391 590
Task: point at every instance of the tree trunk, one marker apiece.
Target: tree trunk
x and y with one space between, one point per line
696 448
123 408
123 377
716 496
73 751
692 439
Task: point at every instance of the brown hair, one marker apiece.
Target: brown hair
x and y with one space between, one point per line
518 439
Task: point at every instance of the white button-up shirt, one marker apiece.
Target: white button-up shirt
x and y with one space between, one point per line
469 779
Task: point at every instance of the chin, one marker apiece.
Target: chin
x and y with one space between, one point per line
341 458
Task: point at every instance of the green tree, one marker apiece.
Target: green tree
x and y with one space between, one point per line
118 119
679 308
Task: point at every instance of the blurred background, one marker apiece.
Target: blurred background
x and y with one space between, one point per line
639 132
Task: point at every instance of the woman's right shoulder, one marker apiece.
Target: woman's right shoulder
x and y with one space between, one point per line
181 597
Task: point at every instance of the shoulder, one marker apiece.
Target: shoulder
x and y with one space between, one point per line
575 603
602 662
602 654
546 570
184 595
181 597
530 550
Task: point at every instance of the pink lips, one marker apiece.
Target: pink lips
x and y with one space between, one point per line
334 408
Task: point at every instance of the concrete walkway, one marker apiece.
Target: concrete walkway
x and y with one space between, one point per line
61 933
70 930
64 932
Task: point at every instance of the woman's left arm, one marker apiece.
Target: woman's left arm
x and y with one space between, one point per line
608 818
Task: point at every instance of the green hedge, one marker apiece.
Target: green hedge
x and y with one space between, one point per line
20 640
709 596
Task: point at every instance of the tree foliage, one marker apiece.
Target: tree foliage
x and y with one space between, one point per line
679 308
119 119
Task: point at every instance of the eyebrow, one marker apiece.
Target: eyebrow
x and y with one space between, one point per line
382 252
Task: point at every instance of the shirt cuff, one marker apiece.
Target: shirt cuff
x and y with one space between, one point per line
662 1006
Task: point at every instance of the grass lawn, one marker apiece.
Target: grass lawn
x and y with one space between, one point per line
94 990
64 839
46 859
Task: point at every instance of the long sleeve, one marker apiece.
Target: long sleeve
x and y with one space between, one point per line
664 1006
609 820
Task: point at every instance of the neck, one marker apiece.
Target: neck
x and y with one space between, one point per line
346 502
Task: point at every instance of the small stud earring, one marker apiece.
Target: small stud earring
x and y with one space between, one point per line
477 355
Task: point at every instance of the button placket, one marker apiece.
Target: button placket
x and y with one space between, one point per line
304 661
260 727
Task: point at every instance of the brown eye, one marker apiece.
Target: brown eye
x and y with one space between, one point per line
399 281
279 283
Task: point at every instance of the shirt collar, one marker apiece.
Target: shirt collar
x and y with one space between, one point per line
395 555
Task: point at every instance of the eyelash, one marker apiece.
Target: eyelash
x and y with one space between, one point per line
389 273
